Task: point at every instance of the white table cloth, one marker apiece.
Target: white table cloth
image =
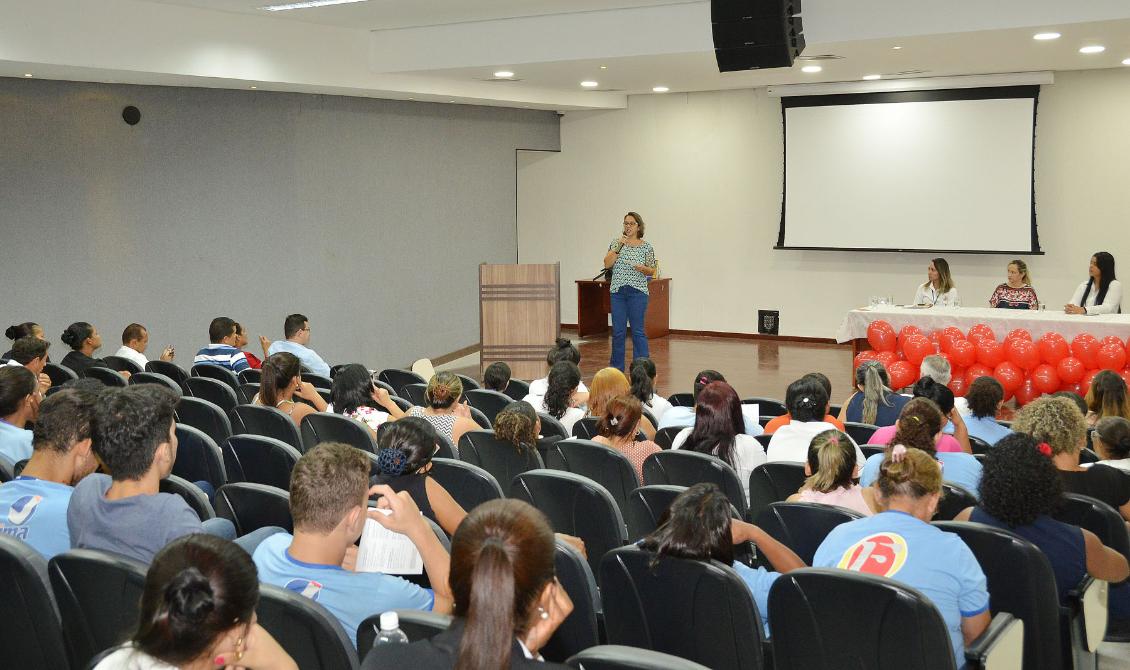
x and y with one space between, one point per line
854 325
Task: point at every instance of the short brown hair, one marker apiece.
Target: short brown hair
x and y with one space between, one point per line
639 224
327 482
621 414
132 332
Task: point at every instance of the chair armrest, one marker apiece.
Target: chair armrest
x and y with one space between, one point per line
1000 647
1087 603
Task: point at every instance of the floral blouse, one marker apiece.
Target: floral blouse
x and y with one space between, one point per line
1007 297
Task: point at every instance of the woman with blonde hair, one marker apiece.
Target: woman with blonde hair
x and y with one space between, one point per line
618 427
873 402
1107 397
611 383
831 470
938 289
1017 292
450 417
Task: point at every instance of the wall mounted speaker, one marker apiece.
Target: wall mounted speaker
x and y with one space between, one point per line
131 115
756 34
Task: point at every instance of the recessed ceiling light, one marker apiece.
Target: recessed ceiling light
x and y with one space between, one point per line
1046 36
811 69
871 77
504 74
588 83
307 4
252 87
896 48
1126 61
28 74
659 89
451 101
1092 49
603 67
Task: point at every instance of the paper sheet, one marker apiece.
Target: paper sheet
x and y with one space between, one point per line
383 550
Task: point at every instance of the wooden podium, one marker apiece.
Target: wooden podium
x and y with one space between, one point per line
594 305
519 316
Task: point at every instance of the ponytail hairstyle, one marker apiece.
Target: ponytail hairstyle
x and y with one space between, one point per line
918 423
21 330
497 377
517 423
351 389
1022 268
606 385
718 420
278 371
1105 262
564 378
197 589
405 447
917 475
502 558
642 376
1114 431
444 390
873 377
696 526
563 350
1107 395
77 333
831 457
806 400
620 418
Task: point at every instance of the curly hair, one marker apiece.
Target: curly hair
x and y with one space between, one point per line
517 423
918 423
1056 421
983 396
1018 483
564 378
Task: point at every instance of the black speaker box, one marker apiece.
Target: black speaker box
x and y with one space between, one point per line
753 34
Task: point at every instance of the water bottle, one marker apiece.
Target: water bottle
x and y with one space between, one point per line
390 632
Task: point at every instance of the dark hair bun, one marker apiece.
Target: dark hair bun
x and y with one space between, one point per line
190 597
562 343
69 338
14 332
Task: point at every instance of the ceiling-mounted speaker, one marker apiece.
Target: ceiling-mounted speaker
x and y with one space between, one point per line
756 34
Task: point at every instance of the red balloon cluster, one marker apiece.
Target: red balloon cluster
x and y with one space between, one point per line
1025 368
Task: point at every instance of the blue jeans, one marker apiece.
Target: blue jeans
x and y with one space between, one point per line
629 306
226 529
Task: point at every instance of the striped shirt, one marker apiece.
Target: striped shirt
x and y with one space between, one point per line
223 355
624 272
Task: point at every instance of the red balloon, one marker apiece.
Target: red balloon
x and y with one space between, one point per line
1023 353
977 370
862 357
887 358
881 336
1045 379
981 330
1075 388
903 374
1084 347
1087 379
1053 350
1128 344
917 348
958 384
907 331
1071 370
963 353
1111 356
1019 333
1026 392
990 353
1111 339
953 331
1010 376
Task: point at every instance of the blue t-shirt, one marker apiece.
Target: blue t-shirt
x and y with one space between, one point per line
759 581
984 428
307 356
898 546
35 511
957 468
885 415
350 596
15 442
685 416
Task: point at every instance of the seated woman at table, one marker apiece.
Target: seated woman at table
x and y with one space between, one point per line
1017 292
938 289
1101 293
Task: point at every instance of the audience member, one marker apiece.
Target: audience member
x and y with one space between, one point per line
872 402
562 351
31 352
561 397
920 427
329 488
135 340
404 461
29 328
1111 441
296 329
899 543
507 601
253 361
496 377
698 526
19 404
958 441
353 394
807 403
518 424
1075 399
1058 422
832 469
938 368
84 340
198 611
445 411
34 505
685 416
642 375
618 426
778 421
281 383
1107 397
223 350
610 383
717 431
985 397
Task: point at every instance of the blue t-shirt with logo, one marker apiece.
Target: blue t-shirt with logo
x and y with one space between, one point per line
898 546
759 581
35 511
957 468
350 596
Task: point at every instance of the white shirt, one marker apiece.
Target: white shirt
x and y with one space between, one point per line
1112 301
128 658
132 355
538 387
657 406
748 454
928 295
791 442
571 416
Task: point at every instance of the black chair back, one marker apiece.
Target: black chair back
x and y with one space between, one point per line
478 417
321 427
681 399
579 630
214 391
414 393
604 465
575 505
221 374
402 403
59 374
7 470
773 482
398 379
318 381
198 457
517 389
121 364
468 484
204 416
860 432
619 657
660 608
416 624
99 595
469 383
267 421
645 507
191 493
498 457
106 376
250 390
157 378
551 427
955 498
259 460
1086 455
254 506
1098 517
904 628
585 428
490 403
979 446
764 439
665 437
686 468
249 376
170 370
802 526
767 406
307 631
32 635
870 450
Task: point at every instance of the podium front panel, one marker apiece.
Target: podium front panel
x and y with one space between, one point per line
519 316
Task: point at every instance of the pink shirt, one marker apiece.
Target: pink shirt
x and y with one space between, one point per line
885 434
842 497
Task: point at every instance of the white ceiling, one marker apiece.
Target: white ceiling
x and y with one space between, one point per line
447 50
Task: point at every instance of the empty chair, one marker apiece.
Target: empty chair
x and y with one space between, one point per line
307 631
254 506
468 484
767 406
860 432
397 379
773 482
574 505
120 364
551 427
646 506
665 437
619 657
170 370
490 403
685 468
324 427
954 499
214 391
268 421
205 417
517 389
319 381
157 378
59 374
259 460
604 465
98 595
249 376
802 526
198 457
416 624
654 607
415 394
106 376
221 374
191 493
32 635
681 399
498 457
579 630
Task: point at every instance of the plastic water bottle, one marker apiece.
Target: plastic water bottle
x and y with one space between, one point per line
390 632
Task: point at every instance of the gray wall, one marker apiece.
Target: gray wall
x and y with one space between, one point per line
369 216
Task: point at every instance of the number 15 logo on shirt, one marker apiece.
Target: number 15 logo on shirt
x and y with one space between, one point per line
881 554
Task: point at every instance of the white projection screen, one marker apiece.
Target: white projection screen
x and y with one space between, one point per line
934 171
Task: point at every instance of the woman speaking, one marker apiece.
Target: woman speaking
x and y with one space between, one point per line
1101 293
632 262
